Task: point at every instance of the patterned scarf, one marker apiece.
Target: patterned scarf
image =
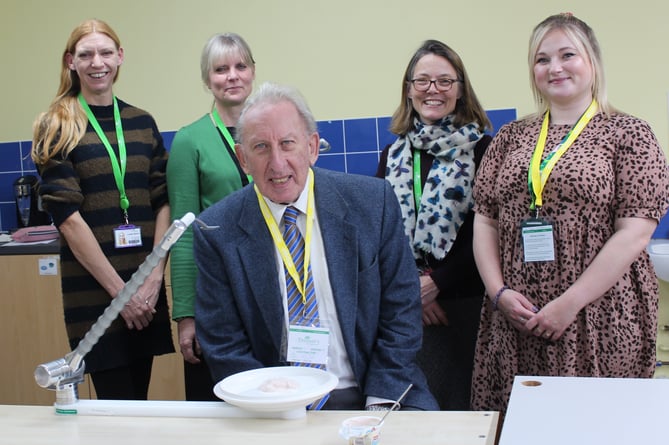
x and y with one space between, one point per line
447 193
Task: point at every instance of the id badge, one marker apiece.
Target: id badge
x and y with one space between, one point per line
538 242
308 344
127 236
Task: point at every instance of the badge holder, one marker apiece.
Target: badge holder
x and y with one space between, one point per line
127 235
538 242
307 344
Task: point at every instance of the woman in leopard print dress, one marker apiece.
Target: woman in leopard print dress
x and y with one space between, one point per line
590 308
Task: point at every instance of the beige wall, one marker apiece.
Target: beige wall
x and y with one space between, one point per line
347 56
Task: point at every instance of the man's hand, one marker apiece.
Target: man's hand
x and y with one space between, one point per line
188 344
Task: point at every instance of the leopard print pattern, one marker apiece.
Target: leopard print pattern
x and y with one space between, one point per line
614 169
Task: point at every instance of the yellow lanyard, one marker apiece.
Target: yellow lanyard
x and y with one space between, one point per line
540 171
277 236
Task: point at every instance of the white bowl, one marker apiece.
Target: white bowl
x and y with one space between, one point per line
243 389
658 249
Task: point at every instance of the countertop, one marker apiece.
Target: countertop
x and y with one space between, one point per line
50 248
586 410
40 425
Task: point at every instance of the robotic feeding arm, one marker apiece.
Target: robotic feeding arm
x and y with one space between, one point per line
65 373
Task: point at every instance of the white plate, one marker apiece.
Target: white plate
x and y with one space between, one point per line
243 389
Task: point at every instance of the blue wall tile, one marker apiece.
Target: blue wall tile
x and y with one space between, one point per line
10 153
168 137
385 136
360 135
500 117
362 163
333 132
662 230
8 216
332 162
7 186
27 163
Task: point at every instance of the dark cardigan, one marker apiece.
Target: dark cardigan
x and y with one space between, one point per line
456 275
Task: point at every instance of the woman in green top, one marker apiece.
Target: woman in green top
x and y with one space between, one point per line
201 170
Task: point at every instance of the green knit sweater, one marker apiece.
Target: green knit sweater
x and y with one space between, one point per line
201 170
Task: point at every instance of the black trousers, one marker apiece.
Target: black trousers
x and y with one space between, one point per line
198 382
447 354
125 383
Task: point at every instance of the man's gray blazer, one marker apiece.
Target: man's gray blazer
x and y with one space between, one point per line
239 309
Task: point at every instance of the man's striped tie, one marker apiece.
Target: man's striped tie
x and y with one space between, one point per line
299 312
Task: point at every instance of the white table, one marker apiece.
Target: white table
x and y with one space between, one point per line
40 425
581 410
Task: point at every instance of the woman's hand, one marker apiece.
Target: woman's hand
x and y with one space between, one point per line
553 319
428 290
138 312
550 322
433 313
517 309
630 238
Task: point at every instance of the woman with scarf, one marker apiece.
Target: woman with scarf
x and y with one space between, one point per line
440 126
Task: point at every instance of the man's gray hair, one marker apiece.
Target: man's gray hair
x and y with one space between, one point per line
272 93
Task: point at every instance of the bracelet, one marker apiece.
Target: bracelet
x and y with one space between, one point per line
497 295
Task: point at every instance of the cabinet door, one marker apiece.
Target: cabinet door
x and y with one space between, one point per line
31 327
167 376
32 330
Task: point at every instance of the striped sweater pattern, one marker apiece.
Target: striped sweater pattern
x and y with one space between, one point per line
84 182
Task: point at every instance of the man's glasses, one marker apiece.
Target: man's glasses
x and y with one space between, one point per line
424 84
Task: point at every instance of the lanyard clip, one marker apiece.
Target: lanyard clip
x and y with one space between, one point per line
537 210
125 217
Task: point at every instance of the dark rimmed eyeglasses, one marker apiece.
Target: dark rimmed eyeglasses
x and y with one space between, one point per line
424 84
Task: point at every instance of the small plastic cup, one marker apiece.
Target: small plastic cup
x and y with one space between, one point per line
361 430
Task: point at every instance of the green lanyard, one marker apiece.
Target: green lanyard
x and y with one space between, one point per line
226 134
417 183
539 171
119 170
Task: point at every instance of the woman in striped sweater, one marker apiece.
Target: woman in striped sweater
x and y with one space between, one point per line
102 163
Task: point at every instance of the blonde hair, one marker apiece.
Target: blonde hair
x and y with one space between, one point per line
61 127
221 45
583 37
